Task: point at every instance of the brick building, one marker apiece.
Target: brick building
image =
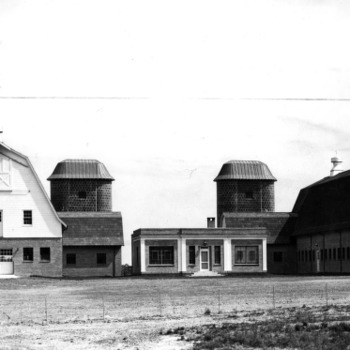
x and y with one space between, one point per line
81 192
30 229
250 236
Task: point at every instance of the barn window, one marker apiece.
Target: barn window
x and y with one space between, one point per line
27 217
5 254
249 195
28 254
71 259
246 255
192 255
101 259
45 254
217 255
82 195
277 256
161 255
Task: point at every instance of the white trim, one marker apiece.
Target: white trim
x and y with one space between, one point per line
184 255
264 254
227 254
179 254
143 255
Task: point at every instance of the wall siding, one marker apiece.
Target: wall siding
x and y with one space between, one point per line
35 268
86 264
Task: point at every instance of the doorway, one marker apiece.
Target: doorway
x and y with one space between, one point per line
204 263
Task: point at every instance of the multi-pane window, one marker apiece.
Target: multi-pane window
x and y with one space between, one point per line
71 259
217 255
5 254
192 254
27 217
28 254
277 256
45 254
247 255
161 255
101 259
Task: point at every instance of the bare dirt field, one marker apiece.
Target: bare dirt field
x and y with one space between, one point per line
160 313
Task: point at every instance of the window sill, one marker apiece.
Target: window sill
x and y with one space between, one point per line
191 265
216 264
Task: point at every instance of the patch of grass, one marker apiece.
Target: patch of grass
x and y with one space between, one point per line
274 334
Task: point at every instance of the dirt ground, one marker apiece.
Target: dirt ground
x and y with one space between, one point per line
141 313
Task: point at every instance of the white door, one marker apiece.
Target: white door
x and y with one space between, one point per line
204 259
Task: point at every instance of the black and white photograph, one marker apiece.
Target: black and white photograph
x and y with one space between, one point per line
174 175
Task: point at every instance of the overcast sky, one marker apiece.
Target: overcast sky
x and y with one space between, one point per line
165 92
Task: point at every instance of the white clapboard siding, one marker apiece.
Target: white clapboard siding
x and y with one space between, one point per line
26 193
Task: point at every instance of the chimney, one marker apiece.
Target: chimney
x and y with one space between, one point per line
337 168
211 222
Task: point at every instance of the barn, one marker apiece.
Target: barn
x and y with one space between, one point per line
30 229
81 192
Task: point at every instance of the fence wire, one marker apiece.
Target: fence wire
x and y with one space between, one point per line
18 308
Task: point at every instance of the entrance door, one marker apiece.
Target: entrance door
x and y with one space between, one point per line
204 259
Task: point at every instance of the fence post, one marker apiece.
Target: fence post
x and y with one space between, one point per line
46 309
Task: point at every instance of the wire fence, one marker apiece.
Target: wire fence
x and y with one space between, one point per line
18 308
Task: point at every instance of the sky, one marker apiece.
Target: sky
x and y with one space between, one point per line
165 92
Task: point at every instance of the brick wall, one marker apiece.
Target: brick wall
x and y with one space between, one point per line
234 196
65 195
288 263
53 268
86 261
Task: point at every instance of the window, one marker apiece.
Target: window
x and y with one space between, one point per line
325 254
101 259
161 255
249 195
82 195
313 255
277 256
302 256
71 259
310 255
330 253
322 256
28 254
192 255
217 255
334 254
0 215
27 217
45 254
5 254
348 253
246 255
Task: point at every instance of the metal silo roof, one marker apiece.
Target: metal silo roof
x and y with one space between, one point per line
245 170
80 169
